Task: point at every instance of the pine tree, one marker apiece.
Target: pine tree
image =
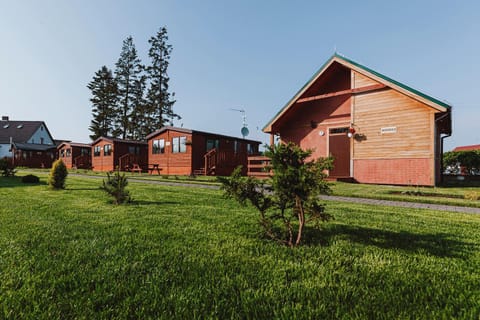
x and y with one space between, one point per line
104 99
139 114
127 74
160 101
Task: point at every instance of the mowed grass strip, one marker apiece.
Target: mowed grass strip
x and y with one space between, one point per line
190 253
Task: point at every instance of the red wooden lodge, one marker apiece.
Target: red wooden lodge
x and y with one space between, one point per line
377 129
75 155
109 153
179 151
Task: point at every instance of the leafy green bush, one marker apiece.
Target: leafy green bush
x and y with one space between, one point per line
462 162
290 198
58 175
115 186
30 178
6 168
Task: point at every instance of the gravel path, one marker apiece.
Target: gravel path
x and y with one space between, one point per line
388 203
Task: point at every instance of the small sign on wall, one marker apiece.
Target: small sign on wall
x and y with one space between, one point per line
387 130
167 143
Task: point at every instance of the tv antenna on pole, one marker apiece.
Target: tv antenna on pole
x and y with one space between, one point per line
244 129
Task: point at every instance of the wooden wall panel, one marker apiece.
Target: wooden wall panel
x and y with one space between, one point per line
412 120
362 81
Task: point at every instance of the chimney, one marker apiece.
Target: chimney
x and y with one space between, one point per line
4 118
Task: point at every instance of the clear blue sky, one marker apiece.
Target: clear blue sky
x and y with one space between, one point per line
234 54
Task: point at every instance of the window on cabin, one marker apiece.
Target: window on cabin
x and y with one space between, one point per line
158 146
134 150
212 144
250 149
85 152
179 144
236 146
62 153
107 150
183 144
339 130
41 141
96 151
68 153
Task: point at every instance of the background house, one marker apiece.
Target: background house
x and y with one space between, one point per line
75 155
109 153
377 129
27 143
180 151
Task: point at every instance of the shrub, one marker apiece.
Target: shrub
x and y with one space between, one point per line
30 178
58 175
115 186
472 195
290 198
6 167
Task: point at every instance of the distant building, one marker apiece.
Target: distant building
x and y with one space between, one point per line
377 129
467 148
27 143
75 155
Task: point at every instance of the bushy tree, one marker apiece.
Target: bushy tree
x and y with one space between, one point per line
462 162
290 198
104 100
159 99
6 167
58 175
115 186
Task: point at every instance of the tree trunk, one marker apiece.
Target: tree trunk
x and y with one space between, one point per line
301 219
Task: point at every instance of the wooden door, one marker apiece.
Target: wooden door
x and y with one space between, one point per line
339 148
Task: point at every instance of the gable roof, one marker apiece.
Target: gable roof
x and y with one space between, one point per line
112 139
189 131
19 131
467 148
377 76
73 144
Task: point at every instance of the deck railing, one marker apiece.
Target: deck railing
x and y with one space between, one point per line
258 166
82 162
127 160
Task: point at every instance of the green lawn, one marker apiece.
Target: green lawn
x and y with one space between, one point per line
189 253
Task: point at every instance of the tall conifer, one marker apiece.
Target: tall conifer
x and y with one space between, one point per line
159 99
128 71
104 99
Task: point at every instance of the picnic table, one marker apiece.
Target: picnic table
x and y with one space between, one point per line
154 167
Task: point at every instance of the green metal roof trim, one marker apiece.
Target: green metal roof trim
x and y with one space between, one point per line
403 86
416 92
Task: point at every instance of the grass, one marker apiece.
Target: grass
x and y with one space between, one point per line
189 253
457 196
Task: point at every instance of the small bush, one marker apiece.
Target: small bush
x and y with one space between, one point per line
472 195
30 178
58 175
6 168
115 186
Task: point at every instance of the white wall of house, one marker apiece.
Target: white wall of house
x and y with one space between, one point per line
4 150
40 134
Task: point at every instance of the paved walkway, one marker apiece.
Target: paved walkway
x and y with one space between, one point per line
388 203
404 204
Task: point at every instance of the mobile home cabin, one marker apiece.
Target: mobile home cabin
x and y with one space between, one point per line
179 151
75 155
111 153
